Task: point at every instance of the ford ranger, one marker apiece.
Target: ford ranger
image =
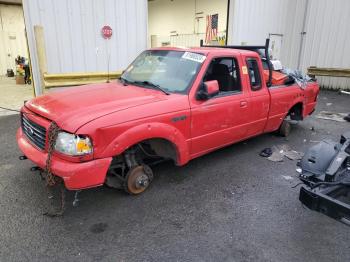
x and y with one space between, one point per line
169 104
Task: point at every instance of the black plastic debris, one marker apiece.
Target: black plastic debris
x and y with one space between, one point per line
347 118
266 152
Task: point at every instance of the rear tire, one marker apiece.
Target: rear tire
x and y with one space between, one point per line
285 128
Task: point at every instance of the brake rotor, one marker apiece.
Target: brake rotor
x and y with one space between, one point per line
138 179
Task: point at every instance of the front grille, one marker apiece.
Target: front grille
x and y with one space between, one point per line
34 132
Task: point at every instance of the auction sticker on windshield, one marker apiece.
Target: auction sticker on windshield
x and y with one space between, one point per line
194 57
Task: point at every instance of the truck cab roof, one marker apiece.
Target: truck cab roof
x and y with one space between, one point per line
208 50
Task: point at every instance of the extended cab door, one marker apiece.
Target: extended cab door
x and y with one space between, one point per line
222 119
259 95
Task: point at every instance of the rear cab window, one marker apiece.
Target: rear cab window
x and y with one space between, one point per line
254 74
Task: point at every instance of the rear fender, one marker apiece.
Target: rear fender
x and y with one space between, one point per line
311 95
296 101
143 132
296 111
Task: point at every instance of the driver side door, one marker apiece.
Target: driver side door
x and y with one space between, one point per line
223 119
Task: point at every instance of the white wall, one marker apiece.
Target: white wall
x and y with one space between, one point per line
73 33
325 43
327 39
12 36
179 15
251 21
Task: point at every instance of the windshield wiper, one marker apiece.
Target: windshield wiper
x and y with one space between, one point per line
148 83
124 81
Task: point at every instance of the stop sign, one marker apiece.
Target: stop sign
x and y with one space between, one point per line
106 32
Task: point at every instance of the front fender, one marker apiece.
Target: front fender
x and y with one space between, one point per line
143 132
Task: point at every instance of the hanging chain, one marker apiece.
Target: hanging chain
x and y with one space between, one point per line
51 179
53 132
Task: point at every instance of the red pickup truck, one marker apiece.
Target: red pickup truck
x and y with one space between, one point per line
170 103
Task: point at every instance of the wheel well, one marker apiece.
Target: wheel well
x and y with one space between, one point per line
153 148
143 153
163 148
296 112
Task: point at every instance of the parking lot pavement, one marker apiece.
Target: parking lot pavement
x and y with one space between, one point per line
230 205
12 95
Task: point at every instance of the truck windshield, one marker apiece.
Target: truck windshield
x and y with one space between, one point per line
172 71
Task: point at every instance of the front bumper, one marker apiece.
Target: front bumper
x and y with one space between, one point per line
75 175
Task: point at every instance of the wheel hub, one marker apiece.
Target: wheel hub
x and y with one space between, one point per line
138 179
142 181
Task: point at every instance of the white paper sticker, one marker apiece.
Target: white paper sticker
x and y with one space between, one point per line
194 57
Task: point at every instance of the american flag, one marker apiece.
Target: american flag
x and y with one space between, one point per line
212 28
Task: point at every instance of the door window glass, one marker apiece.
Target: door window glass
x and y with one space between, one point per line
254 74
226 72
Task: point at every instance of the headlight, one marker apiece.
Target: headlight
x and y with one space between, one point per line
73 145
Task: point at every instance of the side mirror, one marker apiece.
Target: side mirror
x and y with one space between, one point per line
208 90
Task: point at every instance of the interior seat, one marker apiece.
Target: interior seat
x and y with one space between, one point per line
221 73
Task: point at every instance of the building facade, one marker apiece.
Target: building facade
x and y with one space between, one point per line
303 32
73 39
12 36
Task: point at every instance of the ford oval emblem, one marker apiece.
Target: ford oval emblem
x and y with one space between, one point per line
31 131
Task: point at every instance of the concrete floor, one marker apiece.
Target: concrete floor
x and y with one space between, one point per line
12 95
230 205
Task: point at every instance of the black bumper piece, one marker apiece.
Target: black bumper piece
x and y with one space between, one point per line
329 201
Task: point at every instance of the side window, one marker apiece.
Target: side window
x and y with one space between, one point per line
226 71
254 74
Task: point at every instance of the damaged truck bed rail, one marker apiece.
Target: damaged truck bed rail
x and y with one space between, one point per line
325 170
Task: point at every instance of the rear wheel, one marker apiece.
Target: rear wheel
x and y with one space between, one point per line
285 128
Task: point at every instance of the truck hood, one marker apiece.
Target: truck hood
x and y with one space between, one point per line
75 106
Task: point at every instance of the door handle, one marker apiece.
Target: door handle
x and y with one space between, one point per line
243 104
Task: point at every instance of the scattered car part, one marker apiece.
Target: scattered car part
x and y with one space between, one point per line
277 155
327 115
325 171
266 152
347 118
278 152
293 155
